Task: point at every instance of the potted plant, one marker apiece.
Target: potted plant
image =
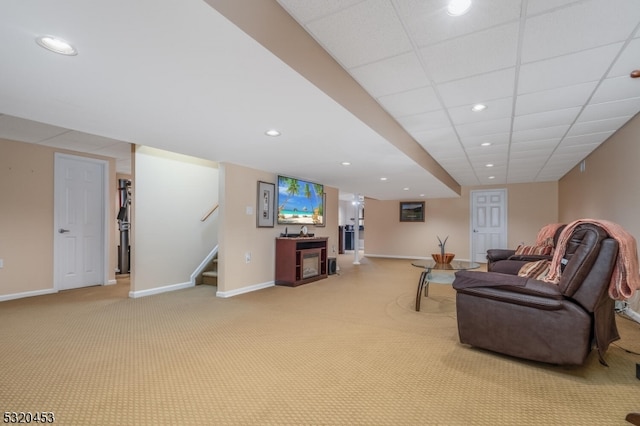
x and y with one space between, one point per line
443 256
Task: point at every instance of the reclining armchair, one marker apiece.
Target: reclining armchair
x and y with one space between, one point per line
510 261
542 321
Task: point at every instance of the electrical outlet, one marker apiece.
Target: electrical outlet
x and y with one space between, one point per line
247 257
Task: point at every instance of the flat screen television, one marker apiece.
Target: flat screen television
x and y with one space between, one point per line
300 202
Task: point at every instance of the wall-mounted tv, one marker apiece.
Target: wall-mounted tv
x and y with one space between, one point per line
300 202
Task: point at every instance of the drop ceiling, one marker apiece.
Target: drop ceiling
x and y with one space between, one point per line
198 78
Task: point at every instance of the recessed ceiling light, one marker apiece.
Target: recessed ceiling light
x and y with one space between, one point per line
485 144
478 107
56 45
489 165
383 178
492 177
272 132
458 7
345 163
405 189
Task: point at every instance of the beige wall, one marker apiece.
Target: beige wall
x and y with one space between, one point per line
608 188
530 206
240 235
171 193
26 218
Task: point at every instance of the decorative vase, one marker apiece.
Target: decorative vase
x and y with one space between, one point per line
439 258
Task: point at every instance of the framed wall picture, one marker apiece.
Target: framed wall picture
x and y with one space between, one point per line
265 205
411 211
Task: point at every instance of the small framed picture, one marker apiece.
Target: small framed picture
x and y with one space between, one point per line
411 211
265 205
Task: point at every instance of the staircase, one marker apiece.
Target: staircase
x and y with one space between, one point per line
210 275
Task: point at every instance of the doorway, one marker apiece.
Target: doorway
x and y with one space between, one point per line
80 228
488 222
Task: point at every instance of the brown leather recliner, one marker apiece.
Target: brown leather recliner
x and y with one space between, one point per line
540 321
508 262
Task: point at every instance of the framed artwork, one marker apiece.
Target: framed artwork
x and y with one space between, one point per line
411 211
265 205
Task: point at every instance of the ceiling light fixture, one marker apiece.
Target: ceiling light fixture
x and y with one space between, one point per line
56 45
492 177
383 178
485 144
489 165
478 107
458 7
635 74
345 163
272 133
405 189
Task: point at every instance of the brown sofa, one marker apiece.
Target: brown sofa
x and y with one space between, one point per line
541 321
508 262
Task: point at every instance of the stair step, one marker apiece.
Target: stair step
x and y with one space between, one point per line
210 274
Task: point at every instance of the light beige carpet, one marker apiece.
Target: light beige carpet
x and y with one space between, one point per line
347 350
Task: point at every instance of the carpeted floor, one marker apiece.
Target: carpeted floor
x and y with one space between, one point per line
347 350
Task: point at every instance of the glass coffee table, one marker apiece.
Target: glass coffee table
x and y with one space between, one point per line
427 275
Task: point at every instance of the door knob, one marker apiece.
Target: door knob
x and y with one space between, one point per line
62 231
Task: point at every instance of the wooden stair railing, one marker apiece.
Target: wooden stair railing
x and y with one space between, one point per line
209 213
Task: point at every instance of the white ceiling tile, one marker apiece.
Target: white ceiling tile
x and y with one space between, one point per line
628 60
625 107
592 138
428 22
598 126
440 151
567 70
412 102
535 7
545 119
554 99
539 134
497 108
472 54
308 10
489 127
427 121
487 150
577 27
116 150
18 129
478 89
617 88
543 145
391 75
373 28
572 150
495 139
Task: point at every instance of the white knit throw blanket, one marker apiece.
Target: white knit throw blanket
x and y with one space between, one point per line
625 279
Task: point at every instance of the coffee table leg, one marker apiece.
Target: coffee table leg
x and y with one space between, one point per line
421 285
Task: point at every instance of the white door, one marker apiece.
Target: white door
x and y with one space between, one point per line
79 219
488 222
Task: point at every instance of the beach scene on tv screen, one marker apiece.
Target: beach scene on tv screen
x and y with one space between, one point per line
299 202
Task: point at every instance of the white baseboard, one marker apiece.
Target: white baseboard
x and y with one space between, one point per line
158 290
14 296
248 289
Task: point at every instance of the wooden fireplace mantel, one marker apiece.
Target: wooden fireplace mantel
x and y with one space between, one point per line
290 258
